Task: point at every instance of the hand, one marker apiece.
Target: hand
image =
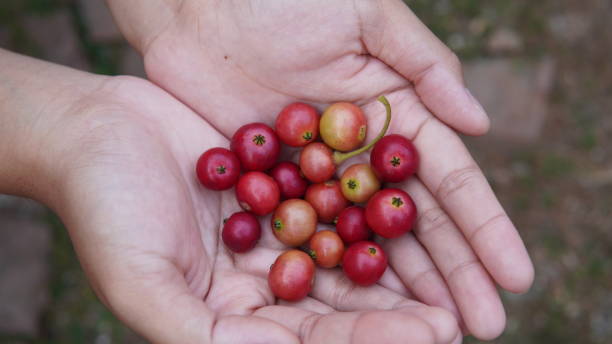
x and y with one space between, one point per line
114 157
239 62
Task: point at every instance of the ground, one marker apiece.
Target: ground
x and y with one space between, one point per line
543 72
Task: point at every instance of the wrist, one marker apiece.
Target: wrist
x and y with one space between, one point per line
36 99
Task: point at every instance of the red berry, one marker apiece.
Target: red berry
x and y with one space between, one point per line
343 126
352 226
317 163
326 248
359 183
241 232
218 169
394 158
294 222
390 213
257 192
364 263
290 181
327 199
297 124
292 275
257 146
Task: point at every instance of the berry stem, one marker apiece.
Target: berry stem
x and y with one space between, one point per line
339 157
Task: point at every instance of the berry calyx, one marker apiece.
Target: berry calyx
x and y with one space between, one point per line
397 202
277 225
259 140
395 161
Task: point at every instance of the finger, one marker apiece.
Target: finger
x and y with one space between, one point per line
451 175
458 339
392 281
442 321
397 37
356 327
256 261
332 287
417 271
469 283
308 304
161 307
251 330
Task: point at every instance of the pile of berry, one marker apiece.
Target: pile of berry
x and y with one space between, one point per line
309 193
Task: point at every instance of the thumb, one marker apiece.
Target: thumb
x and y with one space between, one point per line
160 306
396 36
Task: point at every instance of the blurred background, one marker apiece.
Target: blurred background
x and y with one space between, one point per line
542 69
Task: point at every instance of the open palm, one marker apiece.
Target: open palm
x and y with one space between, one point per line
238 62
147 235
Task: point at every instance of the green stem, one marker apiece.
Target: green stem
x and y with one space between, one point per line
339 157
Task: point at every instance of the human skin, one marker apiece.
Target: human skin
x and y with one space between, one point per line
250 59
114 158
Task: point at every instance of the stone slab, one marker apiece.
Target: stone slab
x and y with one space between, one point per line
25 246
514 92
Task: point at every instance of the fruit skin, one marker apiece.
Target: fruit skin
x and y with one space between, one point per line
241 232
256 146
390 213
218 168
394 158
359 183
343 126
297 124
327 200
317 163
351 225
290 181
364 263
257 192
292 275
294 222
326 248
